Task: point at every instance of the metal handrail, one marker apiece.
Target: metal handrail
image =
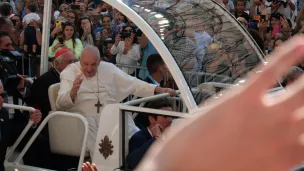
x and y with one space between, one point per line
184 72
147 99
152 98
43 124
25 130
189 75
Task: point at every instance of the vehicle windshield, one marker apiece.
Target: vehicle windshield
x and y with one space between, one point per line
207 43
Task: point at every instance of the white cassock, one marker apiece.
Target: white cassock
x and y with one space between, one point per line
114 86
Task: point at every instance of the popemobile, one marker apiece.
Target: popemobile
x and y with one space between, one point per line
205 49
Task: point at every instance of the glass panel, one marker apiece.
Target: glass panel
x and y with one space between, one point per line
205 41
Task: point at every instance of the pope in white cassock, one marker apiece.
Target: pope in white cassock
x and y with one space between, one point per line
88 85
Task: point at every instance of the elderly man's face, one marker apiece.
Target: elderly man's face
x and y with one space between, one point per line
89 62
66 59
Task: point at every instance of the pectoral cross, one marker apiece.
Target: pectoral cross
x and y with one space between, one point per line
98 106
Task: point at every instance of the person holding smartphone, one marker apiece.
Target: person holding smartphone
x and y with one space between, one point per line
126 49
68 40
86 31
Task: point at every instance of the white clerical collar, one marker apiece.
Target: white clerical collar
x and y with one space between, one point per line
149 131
161 136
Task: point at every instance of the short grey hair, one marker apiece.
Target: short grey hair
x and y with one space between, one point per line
91 48
64 6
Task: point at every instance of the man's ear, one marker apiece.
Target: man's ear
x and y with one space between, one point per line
56 63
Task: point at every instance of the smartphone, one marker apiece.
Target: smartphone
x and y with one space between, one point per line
263 18
276 30
75 7
60 39
58 24
14 22
124 35
11 84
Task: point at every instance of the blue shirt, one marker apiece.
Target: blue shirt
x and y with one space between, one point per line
147 51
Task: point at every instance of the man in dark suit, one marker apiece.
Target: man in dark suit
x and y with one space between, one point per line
141 141
157 70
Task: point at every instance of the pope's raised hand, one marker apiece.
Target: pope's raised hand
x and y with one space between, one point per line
76 86
77 82
245 129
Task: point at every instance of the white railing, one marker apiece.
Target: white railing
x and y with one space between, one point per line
197 77
16 164
177 105
23 133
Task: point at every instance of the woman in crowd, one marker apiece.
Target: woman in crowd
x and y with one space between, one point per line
83 8
68 40
86 31
106 33
72 17
126 49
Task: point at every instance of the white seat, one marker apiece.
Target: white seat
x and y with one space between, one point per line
68 136
65 133
53 93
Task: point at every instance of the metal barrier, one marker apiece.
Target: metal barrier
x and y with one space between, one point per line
177 105
194 79
23 133
199 77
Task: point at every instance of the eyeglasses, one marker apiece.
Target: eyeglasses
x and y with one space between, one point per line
3 95
128 30
107 21
71 17
84 17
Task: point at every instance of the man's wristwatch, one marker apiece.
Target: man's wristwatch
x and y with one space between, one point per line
38 29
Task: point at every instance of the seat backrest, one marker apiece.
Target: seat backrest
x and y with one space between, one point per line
66 135
53 93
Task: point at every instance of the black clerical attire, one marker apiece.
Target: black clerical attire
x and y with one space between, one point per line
37 96
139 144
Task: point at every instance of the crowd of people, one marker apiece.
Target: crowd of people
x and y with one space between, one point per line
84 32
276 21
